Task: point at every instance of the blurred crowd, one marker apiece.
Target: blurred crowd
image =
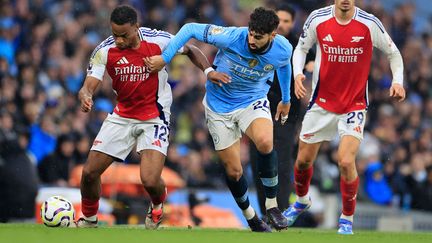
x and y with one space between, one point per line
45 47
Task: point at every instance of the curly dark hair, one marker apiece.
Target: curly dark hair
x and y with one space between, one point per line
263 21
124 14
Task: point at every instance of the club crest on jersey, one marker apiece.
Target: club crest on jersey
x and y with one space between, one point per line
216 31
253 62
268 67
357 38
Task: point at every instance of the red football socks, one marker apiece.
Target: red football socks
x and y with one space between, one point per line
302 179
349 195
89 207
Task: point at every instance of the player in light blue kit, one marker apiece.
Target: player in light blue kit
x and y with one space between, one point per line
250 56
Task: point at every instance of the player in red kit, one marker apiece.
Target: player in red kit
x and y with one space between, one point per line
142 114
345 37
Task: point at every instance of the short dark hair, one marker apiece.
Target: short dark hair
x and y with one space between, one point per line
124 14
263 21
286 8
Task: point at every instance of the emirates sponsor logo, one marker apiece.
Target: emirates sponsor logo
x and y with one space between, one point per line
96 142
132 73
130 69
342 54
338 50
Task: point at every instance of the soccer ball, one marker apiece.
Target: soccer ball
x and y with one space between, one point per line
57 211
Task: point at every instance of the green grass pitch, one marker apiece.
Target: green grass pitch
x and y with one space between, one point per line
32 233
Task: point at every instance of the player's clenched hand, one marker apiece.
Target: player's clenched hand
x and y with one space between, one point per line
282 111
299 89
219 78
86 103
154 63
397 91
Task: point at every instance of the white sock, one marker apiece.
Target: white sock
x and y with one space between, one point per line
349 218
249 212
91 218
271 203
157 207
304 199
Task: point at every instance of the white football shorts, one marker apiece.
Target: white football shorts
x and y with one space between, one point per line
227 128
322 125
118 136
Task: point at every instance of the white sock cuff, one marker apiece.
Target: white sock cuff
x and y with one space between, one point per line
271 203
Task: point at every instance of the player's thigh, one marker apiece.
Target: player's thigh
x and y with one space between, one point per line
230 158
260 131
352 124
318 125
114 138
152 135
255 120
222 129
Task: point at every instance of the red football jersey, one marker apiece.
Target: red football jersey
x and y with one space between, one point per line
343 59
140 94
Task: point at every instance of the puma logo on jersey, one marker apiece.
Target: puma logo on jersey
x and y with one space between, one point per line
122 60
328 38
357 38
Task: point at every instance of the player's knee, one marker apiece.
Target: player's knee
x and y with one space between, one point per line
346 164
264 144
234 173
303 163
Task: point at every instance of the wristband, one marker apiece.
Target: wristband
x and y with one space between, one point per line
208 70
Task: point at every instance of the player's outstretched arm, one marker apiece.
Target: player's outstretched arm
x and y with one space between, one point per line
188 31
86 93
200 60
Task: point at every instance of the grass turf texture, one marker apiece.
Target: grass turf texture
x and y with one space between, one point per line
29 233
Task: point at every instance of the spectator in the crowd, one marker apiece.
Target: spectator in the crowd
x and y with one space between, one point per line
54 169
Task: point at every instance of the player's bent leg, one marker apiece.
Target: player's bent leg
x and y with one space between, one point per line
96 164
349 182
152 162
238 186
303 171
260 132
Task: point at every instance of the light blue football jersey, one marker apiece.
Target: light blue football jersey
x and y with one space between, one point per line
252 74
